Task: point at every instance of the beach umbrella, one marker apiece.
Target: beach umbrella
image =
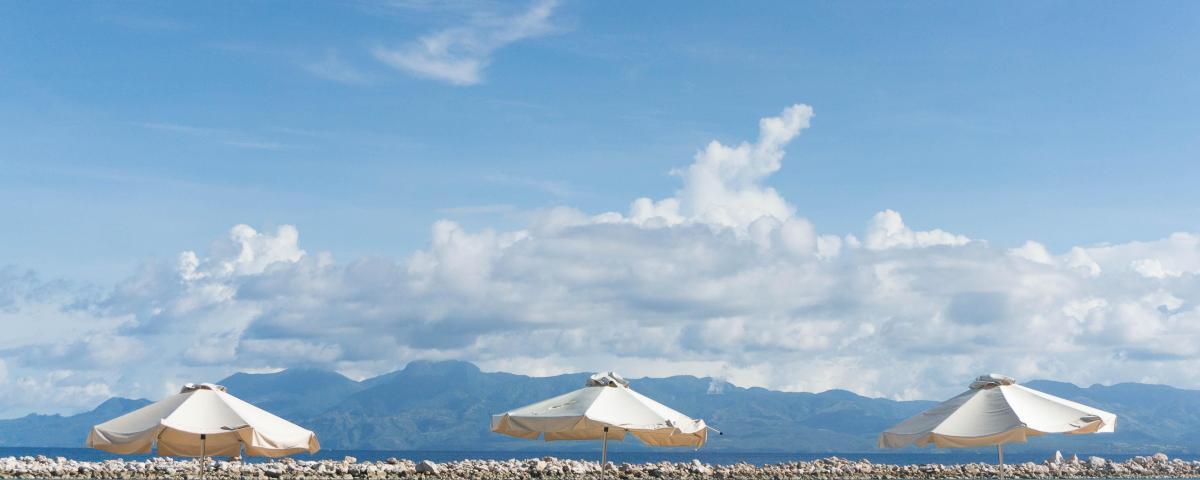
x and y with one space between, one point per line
995 410
202 421
605 408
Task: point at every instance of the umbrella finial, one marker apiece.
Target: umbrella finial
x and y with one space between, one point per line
191 387
607 379
991 380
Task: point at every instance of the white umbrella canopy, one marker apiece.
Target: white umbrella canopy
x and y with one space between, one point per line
202 420
994 411
605 408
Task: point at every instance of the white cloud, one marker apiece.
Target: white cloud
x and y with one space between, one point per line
249 252
1034 252
458 55
723 186
292 351
887 230
1180 252
1080 259
723 278
57 388
1151 268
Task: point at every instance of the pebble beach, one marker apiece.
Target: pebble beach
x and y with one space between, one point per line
39 467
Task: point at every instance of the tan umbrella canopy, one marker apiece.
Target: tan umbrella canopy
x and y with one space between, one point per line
605 408
996 410
200 421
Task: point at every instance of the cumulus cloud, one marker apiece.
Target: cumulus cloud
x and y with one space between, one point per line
56 389
1034 252
887 230
722 278
50 343
723 186
458 55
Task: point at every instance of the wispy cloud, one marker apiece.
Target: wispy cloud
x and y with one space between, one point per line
332 67
488 209
222 136
258 145
329 64
458 55
177 128
555 188
144 22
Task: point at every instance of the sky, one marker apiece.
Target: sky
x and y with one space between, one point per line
882 197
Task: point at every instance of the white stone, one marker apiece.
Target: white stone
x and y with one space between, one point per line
427 466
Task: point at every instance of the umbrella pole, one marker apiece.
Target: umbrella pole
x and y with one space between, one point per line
203 439
604 451
1000 452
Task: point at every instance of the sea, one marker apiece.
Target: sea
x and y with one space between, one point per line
618 456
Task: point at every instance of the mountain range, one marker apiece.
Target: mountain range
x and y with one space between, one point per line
447 406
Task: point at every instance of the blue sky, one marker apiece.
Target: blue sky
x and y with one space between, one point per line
353 185
137 129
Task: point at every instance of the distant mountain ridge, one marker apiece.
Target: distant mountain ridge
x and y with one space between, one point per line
447 406
295 392
35 430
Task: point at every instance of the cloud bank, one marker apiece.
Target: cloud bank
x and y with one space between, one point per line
722 278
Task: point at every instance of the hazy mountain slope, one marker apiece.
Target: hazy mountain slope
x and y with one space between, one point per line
434 405
58 431
448 405
760 419
295 393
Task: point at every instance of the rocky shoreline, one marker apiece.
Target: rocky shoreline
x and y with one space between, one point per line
1158 465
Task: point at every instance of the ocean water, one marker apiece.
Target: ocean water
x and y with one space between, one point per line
623 456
